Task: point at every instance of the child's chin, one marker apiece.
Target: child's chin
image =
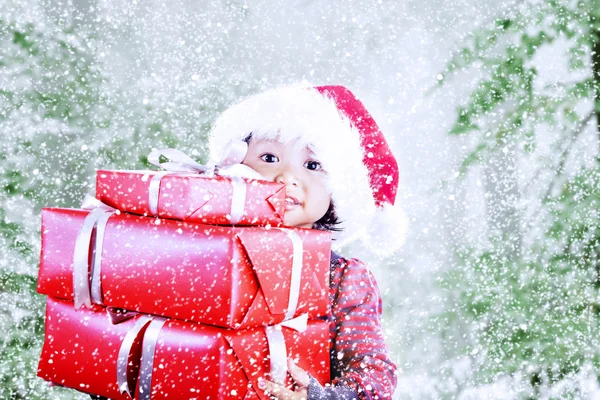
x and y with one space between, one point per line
294 219
296 224
290 222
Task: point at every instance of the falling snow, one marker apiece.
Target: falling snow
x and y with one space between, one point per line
492 111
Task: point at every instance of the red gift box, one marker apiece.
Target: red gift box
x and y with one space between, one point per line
171 360
192 197
225 276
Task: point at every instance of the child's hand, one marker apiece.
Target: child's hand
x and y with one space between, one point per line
278 391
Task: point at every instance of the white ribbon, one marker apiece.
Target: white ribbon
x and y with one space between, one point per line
149 346
297 254
228 166
97 218
277 348
124 352
154 189
149 342
238 199
275 339
96 289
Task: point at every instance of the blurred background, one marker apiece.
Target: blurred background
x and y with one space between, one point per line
491 108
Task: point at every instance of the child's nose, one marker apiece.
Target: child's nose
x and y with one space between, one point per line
287 176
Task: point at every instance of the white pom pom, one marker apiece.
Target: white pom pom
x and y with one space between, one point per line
387 231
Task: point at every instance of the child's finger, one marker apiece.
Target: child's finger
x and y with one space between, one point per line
272 389
299 375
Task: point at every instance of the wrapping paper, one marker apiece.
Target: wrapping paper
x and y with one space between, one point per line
189 361
225 276
194 197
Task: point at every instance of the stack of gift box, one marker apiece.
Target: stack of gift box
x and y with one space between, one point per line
181 286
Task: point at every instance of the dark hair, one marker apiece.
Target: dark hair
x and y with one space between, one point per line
329 221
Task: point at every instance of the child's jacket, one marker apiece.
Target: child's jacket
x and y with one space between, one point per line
360 363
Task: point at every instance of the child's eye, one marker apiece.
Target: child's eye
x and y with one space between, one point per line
313 165
268 157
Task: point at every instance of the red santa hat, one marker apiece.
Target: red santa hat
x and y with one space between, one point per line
362 172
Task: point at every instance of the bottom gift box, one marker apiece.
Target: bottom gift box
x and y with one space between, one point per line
145 357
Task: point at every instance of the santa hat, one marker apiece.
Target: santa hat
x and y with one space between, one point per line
362 172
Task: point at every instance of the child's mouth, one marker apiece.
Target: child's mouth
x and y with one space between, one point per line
291 203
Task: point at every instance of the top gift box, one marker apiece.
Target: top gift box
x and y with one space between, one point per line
212 199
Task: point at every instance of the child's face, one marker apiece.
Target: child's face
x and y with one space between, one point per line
307 197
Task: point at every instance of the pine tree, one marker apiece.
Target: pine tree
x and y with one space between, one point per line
530 293
62 118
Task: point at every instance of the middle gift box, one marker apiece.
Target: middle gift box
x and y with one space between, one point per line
224 276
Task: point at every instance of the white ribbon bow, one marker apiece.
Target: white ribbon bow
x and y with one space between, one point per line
229 166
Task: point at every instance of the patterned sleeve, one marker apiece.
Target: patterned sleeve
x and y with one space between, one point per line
360 359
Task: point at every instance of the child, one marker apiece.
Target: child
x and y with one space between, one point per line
340 175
